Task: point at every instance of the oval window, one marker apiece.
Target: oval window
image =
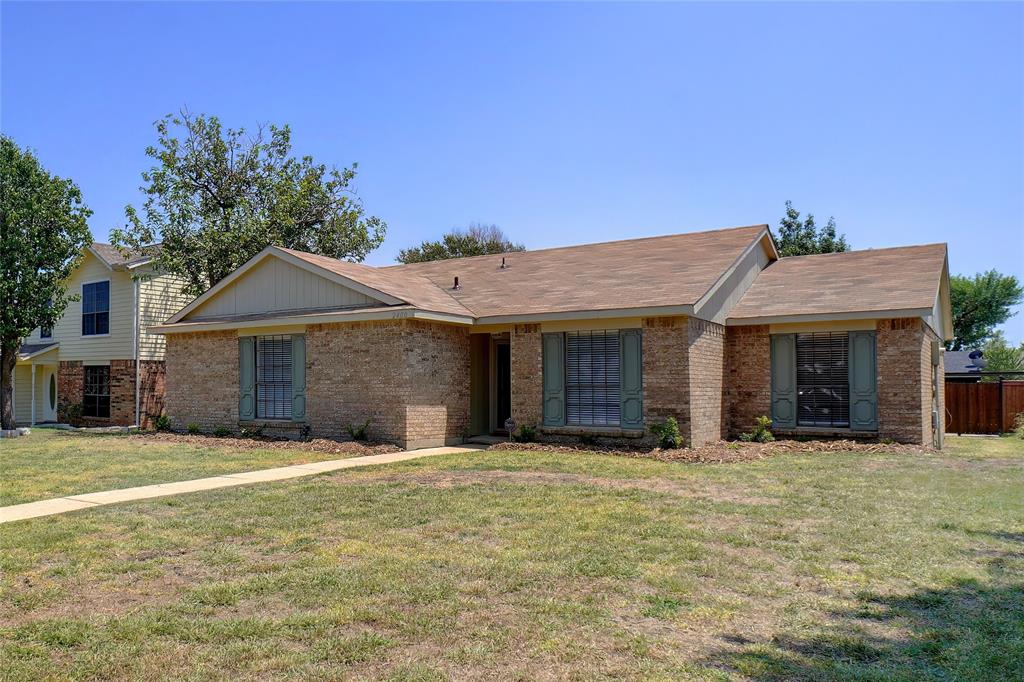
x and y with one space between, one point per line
53 391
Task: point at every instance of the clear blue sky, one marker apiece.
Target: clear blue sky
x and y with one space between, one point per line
563 123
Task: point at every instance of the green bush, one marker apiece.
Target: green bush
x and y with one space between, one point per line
1018 426
358 431
525 434
668 434
222 432
162 423
762 432
193 428
588 440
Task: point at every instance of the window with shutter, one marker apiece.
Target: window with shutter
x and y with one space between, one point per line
592 384
274 377
823 379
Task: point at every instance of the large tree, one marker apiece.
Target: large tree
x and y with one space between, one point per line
43 229
981 303
216 197
1000 356
476 240
802 237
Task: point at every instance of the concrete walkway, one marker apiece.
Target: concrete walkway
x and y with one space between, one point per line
59 505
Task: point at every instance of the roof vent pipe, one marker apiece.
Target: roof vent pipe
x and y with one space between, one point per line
456 286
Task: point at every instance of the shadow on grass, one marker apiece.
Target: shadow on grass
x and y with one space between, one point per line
968 631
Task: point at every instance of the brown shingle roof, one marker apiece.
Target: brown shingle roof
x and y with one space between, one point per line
673 270
901 278
112 257
409 287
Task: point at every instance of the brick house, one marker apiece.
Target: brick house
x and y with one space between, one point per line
601 339
100 365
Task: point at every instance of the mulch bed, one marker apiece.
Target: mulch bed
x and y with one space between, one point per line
723 451
266 443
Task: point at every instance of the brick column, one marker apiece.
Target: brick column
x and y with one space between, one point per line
904 380
527 380
748 377
706 364
666 371
70 388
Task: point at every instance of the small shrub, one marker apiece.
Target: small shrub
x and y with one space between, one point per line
762 432
193 429
162 423
525 434
1018 426
358 431
73 413
222 432
589 440
668 434
252 431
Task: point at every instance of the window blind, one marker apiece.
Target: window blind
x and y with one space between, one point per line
823 379
274 377
592 378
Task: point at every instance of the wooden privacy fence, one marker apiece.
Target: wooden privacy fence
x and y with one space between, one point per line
983 407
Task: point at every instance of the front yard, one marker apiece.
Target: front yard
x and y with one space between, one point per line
525 565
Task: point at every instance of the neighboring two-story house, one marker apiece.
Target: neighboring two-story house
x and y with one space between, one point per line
100 365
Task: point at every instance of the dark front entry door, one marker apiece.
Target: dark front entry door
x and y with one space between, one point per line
503 384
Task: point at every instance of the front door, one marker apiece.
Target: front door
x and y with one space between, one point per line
49 395
502 385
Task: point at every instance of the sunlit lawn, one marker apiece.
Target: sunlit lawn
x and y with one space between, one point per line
533 565
51 463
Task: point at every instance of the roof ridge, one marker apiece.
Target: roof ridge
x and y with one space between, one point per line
867 250
578 246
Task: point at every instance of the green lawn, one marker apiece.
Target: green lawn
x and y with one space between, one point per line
51 463
535 565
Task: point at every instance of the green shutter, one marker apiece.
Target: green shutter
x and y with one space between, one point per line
863 382
631 388
298 378
246 378
554 379
784 380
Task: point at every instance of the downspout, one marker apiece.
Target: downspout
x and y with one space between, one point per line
135 344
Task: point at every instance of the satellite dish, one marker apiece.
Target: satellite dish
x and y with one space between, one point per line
977 359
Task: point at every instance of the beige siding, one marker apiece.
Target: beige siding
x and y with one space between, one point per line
23 392
68 330
159 298
274 286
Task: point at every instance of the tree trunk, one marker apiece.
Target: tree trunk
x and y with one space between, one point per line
8 358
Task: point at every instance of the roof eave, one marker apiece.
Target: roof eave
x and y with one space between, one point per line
404 313
826 317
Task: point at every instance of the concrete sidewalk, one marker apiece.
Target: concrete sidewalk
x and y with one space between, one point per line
59 505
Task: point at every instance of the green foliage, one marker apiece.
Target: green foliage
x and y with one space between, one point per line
72 413
669 437
251 431
979 304
588 440
43 230
1018 426
193 429
162 423
215 198
1001 356
358 431
222 432
525 434
798 237
762 432
477 240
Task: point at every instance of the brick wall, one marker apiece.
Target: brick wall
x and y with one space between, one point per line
748 377
408 377
666 371
905 388
152 386
71 387
527 379
202 380
706 368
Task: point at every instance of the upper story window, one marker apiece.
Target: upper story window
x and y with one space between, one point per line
46 332
96 308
